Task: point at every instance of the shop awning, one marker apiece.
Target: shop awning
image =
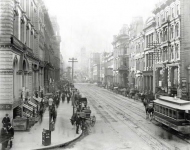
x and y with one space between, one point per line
28 107
31 103
37 99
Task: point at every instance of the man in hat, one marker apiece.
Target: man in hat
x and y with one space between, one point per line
6 120
4 136
78 122
10 130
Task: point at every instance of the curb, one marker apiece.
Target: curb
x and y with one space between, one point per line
60 145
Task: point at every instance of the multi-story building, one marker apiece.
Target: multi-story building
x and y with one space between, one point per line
172 30
150 41
56 40
136 54
94 67
108 76
22 55
102 67
120 69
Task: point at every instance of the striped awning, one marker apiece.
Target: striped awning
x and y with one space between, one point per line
37 99
28 107
31 103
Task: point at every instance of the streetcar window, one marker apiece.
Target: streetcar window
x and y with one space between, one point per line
160 109
170 112
187 116
166 111
157 108
174 115
180 115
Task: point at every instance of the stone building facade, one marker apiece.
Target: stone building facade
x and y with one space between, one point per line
136 53
120 58
22 55
150 40
172 33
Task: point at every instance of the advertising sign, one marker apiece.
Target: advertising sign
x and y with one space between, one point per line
20 124
5 106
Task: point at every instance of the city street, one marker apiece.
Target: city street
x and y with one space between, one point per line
121 124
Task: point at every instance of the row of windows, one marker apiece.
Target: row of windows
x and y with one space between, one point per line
172 12
168 33
166 54
169 112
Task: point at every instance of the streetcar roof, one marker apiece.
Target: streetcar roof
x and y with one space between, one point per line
173 103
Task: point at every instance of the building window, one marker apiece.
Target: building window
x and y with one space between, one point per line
177 7
161 39
162 17
176 51
177 30
172 32
172 52
172 12
165 34
167 14
158 21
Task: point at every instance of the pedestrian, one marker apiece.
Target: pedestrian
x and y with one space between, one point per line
78 121
63 96
6 120
4 136
68 97
10 134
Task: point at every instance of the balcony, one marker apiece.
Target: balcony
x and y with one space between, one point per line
18 44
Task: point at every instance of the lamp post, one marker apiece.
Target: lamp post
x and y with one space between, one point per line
50 107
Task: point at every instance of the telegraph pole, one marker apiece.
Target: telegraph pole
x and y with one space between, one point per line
73 60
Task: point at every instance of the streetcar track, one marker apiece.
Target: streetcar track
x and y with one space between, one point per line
134 102
149 139
95 95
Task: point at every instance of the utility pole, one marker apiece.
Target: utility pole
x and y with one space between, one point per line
73 60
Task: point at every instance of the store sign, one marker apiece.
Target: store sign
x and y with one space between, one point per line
5 106
19 124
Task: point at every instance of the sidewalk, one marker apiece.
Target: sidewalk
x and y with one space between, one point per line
63 132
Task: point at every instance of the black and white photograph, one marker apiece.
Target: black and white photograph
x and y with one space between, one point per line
95 74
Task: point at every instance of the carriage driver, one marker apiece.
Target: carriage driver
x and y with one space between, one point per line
78 122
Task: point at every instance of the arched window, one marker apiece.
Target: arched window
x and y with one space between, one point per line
177 30
172 32
172 52
161 38
176 51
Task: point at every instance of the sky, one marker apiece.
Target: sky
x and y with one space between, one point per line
92 23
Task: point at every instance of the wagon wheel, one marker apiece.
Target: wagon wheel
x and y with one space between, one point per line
93 120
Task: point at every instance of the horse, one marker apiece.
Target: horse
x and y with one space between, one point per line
149 108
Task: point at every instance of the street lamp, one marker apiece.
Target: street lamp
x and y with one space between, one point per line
50 102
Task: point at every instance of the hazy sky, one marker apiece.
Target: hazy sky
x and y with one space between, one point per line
92 23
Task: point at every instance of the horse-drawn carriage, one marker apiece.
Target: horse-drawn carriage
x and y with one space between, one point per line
83 101
84 113
132 93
